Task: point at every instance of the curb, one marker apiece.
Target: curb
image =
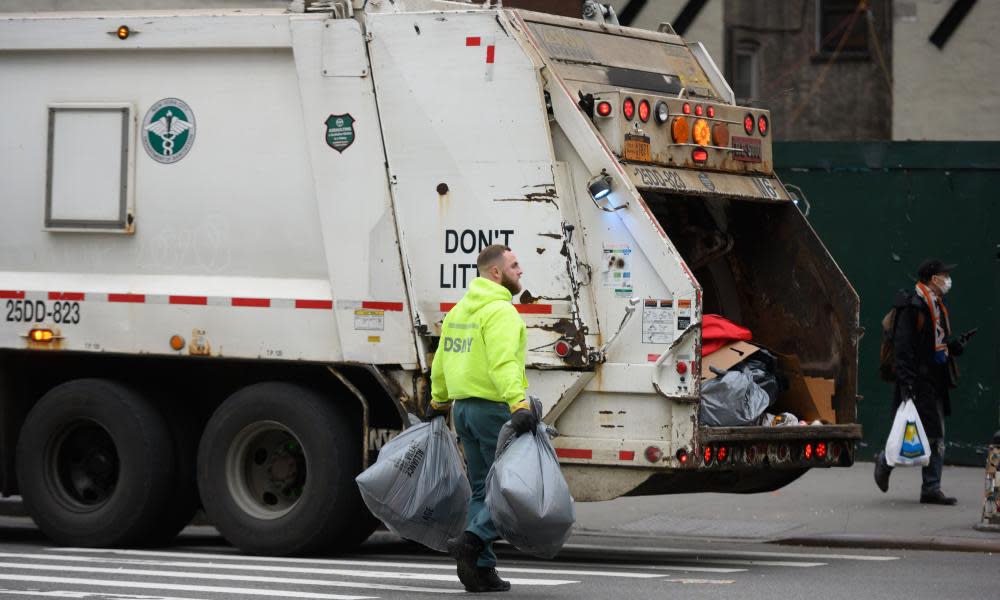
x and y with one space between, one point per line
890 542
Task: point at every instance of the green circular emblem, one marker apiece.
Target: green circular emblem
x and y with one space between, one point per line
168 130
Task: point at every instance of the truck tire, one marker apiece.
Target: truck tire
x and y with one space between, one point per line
276 468
185 430
95 464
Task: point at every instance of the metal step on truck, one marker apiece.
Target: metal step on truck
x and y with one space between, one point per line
229 239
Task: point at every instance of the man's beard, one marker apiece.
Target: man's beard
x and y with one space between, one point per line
512 286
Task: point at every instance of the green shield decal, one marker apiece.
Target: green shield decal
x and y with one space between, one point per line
168 130
339 131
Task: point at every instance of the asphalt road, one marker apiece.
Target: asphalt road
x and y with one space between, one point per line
200 566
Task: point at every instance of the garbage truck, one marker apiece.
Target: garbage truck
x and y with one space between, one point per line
229 238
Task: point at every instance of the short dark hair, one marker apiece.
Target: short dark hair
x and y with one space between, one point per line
490 255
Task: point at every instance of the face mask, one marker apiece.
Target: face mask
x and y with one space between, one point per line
945 284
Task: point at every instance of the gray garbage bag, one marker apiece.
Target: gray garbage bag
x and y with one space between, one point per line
732 399
526 493
418 486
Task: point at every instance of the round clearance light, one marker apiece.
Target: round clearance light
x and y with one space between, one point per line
604 109
682 367
643 110
807 452
762 125
722 454
653 454
177 342
707 454
699 155
661 113
748 123
711 112
123 32
628 108
720 134
562 349
699 110
680 131
686 109
702 133
682 456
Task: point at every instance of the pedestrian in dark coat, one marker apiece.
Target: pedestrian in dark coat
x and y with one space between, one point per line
925 369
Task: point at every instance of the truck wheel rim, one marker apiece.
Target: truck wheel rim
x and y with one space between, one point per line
266 470
83 466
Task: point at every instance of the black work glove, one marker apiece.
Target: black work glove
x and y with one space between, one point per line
433 413
523 421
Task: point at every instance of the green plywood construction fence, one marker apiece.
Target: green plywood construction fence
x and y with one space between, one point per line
882 208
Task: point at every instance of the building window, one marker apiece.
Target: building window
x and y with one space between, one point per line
745 73
843 24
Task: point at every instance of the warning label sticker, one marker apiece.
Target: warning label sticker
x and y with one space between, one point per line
369 320
658 322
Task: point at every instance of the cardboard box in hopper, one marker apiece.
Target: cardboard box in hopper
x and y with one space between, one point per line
808 398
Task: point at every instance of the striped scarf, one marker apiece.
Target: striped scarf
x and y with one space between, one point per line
942 327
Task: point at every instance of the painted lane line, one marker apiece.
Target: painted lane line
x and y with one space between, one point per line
234 577
4 592
757 563
693 553
255 568
179 587
449 566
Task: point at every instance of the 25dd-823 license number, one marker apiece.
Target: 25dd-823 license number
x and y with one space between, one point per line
36 311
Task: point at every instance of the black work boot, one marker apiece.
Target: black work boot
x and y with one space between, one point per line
882 472
489 580
465 550
937 497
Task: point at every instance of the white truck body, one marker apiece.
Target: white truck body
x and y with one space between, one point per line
323 188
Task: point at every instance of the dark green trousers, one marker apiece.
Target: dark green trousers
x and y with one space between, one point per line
478 424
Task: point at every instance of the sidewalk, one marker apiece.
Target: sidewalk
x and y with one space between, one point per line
825 507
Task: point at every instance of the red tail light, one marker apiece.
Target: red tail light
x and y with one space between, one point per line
808 452
562 349
699 110
708 454
643 110
682 456
628 108
748 123
711 112
722 454
686 109
821 450
699 155
762 125
654 454
604 108
682 367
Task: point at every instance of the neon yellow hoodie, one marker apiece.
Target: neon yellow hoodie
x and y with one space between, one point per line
482 347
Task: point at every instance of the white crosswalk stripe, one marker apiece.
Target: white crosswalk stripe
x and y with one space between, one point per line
120 574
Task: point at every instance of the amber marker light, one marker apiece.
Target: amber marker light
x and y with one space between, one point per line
177 342
720 134
41 335
680 131
702 133
123 32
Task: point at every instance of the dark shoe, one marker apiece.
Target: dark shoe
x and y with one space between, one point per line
937 497
465 550
882 472
489 580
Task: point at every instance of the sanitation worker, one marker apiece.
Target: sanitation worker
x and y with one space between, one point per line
479 368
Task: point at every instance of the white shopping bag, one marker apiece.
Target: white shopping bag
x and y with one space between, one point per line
907 444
